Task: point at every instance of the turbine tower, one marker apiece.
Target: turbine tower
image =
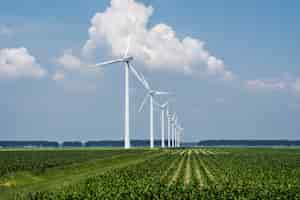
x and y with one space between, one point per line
173 130
175 135
177 132
150 95
169 118
163 109
126 60
179 135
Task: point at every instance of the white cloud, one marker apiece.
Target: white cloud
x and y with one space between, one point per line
157 47
17 63
73 66
266 84
286 83
69 62
5 30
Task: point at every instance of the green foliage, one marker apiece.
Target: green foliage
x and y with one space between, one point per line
37 161
233 174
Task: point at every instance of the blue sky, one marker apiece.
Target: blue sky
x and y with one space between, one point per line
257 41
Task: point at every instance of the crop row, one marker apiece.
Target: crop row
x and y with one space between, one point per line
193 174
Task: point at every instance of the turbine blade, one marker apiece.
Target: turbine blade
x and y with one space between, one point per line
174 116
165 104
108 62
143 103
146 83
128 46
161 93
137 75
156 103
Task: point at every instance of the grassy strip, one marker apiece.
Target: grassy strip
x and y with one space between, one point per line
128 182
55 179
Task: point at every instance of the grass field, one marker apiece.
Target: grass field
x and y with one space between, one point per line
203 173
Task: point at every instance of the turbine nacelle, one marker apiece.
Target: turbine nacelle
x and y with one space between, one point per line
127 59
150 95
165 105
162 106
152 92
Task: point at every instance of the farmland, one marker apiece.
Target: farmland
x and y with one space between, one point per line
203 173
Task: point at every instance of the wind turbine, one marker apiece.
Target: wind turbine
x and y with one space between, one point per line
180 131
173 130
163 109
169 118
177 132
150 95
177 135
126 60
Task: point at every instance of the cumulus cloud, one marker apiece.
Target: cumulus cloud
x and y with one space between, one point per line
72 65
157 47
18 63
69 61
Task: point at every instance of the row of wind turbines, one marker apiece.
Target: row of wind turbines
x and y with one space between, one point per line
174 129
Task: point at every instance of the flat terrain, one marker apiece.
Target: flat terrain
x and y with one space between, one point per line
199 173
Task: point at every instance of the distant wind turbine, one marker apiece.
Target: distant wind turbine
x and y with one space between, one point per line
173 130
163 109
175 135
150 95
180 131
177 132
169 118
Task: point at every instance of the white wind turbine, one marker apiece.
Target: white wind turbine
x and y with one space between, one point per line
177 135
126 60
177 132
163 109
151 94
169 119
180 131
173 130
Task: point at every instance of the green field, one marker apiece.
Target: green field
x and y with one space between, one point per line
203 173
